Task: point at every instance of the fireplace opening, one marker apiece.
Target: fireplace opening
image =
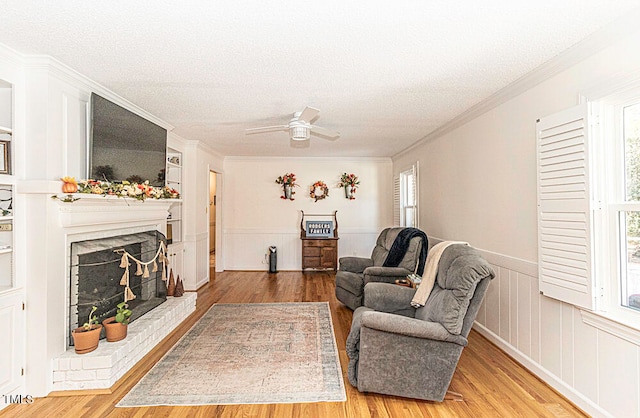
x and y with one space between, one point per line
95 275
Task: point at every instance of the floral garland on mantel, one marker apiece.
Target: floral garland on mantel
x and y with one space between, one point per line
139 191
318 185
124 263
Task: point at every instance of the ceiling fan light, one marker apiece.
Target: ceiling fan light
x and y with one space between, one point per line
299 133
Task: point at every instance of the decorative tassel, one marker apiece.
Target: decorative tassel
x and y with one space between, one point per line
139 270
164 274
145 274
129 295
124 263
155 267
125 277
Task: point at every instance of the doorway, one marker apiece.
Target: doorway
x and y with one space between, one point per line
212 219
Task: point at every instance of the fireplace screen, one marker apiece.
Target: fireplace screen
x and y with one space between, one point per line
95 275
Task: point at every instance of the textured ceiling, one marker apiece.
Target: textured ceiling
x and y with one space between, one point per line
384 74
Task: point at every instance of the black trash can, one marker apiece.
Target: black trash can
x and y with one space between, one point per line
273 259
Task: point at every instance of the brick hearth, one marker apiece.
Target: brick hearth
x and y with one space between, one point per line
101 368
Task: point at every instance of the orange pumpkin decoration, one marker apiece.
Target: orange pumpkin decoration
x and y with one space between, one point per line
69 185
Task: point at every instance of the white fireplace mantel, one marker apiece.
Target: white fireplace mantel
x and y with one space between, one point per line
112 210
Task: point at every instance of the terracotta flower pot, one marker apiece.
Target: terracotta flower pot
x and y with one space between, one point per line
86 341
115 331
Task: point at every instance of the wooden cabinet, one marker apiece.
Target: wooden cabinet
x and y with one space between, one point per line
320 253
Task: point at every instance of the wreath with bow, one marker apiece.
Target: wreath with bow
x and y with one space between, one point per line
319 185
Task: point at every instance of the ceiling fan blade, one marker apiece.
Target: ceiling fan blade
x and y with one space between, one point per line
267 129
299 144
308 114
324 133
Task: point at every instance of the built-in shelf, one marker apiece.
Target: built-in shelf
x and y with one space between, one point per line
5 130
174 180
6 250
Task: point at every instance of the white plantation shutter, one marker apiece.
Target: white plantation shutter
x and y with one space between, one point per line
412 199
396 200
565 244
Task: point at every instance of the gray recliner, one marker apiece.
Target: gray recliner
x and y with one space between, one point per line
355 272
398 350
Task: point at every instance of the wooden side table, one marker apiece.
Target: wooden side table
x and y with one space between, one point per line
320 253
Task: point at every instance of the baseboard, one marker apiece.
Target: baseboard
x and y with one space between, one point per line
202 282
547 377
84 392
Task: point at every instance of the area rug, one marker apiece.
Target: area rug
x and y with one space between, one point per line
252 353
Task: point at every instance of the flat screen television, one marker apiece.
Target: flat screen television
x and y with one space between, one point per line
124 146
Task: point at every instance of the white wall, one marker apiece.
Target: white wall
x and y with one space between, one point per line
478 184
198 161
255 216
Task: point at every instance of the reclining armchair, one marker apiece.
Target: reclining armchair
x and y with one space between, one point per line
399 350
355 272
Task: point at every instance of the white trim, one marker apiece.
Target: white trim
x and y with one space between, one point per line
71 76
611 326
296 231
519 265
386 160
589 46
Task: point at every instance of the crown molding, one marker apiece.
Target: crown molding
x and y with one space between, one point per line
589 46
64 73
381 160
210 150
11 56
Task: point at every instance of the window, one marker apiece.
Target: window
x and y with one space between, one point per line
621 170
589 203
406 197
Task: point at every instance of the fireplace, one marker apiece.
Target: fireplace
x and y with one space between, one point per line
95 276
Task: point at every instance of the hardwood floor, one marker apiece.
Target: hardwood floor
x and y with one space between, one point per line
493 385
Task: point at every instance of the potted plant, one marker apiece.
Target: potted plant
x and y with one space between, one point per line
115 327
350 183
85 338
288 182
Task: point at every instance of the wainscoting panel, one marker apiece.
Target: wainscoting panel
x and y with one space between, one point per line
594 368
202 257
618 365
247 249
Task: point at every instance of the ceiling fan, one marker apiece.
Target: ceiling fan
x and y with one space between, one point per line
300 128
